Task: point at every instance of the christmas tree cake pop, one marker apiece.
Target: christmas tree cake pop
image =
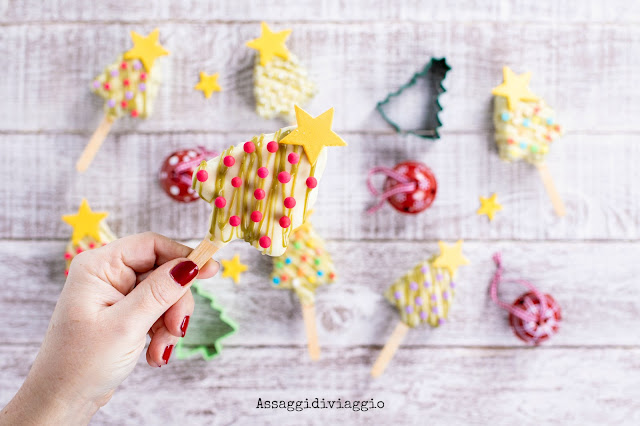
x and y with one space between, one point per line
304 267
422 296
525 128
128 86
280 80
89 231
261 189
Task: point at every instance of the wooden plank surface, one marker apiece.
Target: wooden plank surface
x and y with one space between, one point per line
583 70
584 56
602 205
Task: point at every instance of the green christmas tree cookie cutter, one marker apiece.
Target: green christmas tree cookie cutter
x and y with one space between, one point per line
438 67
215 331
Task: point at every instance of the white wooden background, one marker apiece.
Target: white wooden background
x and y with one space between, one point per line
585 59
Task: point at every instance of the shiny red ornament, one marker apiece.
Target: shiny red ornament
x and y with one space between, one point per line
177 170
420 196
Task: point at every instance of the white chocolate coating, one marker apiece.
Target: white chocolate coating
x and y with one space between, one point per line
241 201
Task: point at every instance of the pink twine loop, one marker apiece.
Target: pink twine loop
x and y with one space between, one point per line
185 169
404 185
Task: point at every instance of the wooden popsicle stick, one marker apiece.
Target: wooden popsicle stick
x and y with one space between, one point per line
547 180
94 144
309 316
203 252
389 350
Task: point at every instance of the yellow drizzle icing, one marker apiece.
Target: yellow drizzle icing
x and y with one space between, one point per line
241 202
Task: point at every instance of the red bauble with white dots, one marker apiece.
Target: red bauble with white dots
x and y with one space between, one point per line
422 196
546 325
177 169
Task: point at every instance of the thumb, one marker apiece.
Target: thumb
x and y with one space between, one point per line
158 292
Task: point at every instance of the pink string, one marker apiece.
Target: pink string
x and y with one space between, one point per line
185 169
404 185
518 312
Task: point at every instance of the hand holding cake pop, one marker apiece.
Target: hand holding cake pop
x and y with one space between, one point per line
261 189
129 87
305 266
423 295
525 128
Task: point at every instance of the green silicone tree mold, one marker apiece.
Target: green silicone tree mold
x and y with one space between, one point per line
207 329
434 72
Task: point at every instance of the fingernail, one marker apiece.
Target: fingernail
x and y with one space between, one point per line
184 272
184 325
167 354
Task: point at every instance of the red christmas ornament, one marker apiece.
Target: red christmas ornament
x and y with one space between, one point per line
177 170
534 317
410 187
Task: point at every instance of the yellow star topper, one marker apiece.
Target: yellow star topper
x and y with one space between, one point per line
515 88
233 268
489 206
270 44
86 223
313 134
451 257
147 49
208 84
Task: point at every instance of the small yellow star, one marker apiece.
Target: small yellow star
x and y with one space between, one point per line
451 257
515 88
489 206
208 84
270 44
313 133
147 49
233 268
85 223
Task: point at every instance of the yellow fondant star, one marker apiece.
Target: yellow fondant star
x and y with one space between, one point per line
85 223
489 206
451 257
515 88
233 268
147 49
270 44
208 84
313 133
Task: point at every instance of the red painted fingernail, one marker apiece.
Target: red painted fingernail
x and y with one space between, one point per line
184 272
184 325
167 354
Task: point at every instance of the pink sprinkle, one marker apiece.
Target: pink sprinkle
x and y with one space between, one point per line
293 158
92 245
220 202
67 255
285 222
236 182
202 175
312 182
284 177
272 146
289 202
234 221
78 250
249 147
66 272
256 216
229 161
259 194
265 242
263 172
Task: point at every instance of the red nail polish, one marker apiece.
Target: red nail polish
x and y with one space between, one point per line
167 354
184 325
184 272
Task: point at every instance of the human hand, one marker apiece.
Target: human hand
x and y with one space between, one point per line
114 295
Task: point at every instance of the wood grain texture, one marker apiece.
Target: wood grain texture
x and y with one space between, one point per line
601 306
601 204
583 70
449 385
618 11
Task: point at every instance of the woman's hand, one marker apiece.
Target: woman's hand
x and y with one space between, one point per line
114 296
